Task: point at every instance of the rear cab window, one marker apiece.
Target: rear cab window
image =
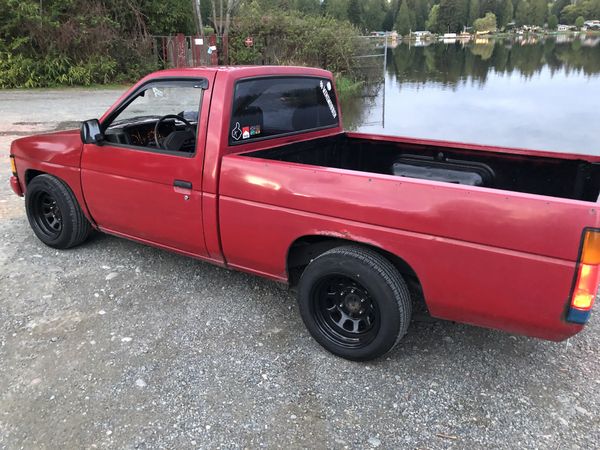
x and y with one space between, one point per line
277 106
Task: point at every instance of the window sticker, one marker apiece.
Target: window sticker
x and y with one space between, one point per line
325 88
236 133
245 132
254 130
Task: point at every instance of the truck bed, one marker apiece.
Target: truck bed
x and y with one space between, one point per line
574 178
482 255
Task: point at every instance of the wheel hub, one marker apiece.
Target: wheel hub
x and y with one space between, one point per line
346 311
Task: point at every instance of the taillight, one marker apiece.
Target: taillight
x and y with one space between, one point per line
587 278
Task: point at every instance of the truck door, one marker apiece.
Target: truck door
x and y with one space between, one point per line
143 180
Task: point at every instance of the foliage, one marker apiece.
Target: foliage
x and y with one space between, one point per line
452 15
347 87
432 20
552 22
20 71
538 12
67 42
579 22
474 6
522 13
355 13
589 9
403 25
506 13
287 38
486 23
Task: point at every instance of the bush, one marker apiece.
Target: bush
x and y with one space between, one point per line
486 23
54 70
287 38
579 22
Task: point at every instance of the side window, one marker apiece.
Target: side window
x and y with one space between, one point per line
268 107
162 116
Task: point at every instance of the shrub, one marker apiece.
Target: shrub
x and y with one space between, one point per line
287 38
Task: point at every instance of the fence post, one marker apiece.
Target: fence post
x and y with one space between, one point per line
180 52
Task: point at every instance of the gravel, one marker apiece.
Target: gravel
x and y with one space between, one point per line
118 345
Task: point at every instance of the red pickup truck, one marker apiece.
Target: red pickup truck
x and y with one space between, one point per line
249 168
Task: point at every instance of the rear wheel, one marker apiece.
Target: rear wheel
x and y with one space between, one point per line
54 214
354 302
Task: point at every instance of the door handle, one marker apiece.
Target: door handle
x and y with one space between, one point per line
182 184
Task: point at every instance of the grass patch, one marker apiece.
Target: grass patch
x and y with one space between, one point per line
348 87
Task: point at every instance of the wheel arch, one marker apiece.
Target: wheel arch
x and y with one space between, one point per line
72 183
306 248
30 174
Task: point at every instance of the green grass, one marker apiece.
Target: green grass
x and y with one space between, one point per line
347 87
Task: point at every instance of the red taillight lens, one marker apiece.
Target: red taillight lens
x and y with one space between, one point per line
588 277
586 287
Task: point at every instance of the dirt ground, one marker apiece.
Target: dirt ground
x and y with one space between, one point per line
118 345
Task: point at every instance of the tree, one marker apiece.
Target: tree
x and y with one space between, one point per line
507 12
522 13
355 13
486 23
473 11
579 22
374 12
228 7
432 20
307 6
198 15
452 15
552 22
403 20
538 11
558 6
338 9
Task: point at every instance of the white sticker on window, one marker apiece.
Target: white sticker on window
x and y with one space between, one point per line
236 133
325 89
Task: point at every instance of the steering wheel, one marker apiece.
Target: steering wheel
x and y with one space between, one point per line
183 135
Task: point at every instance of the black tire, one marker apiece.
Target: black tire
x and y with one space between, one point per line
54 214
354 302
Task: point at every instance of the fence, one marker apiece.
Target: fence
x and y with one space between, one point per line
189 51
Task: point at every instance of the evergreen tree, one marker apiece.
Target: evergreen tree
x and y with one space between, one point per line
552 22
403 20
432 19
538 11
473 11
355 13
522 13
452 15
507 13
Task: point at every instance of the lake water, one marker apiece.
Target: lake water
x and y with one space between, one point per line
537 94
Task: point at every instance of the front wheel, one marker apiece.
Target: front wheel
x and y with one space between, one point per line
54 214
354 302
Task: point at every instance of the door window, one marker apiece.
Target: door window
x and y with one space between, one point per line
161 116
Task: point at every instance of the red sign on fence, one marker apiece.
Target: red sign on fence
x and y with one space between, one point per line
249 41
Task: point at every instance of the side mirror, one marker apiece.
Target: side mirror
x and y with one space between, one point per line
90 132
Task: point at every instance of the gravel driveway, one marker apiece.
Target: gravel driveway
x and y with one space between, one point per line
118 345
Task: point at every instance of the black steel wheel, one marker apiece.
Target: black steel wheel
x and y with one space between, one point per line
46 215
354 302
344 311
54 214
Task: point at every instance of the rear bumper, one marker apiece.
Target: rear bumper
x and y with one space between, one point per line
16 187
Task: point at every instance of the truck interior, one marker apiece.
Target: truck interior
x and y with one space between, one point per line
543 175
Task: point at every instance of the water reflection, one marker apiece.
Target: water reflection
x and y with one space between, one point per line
522 92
